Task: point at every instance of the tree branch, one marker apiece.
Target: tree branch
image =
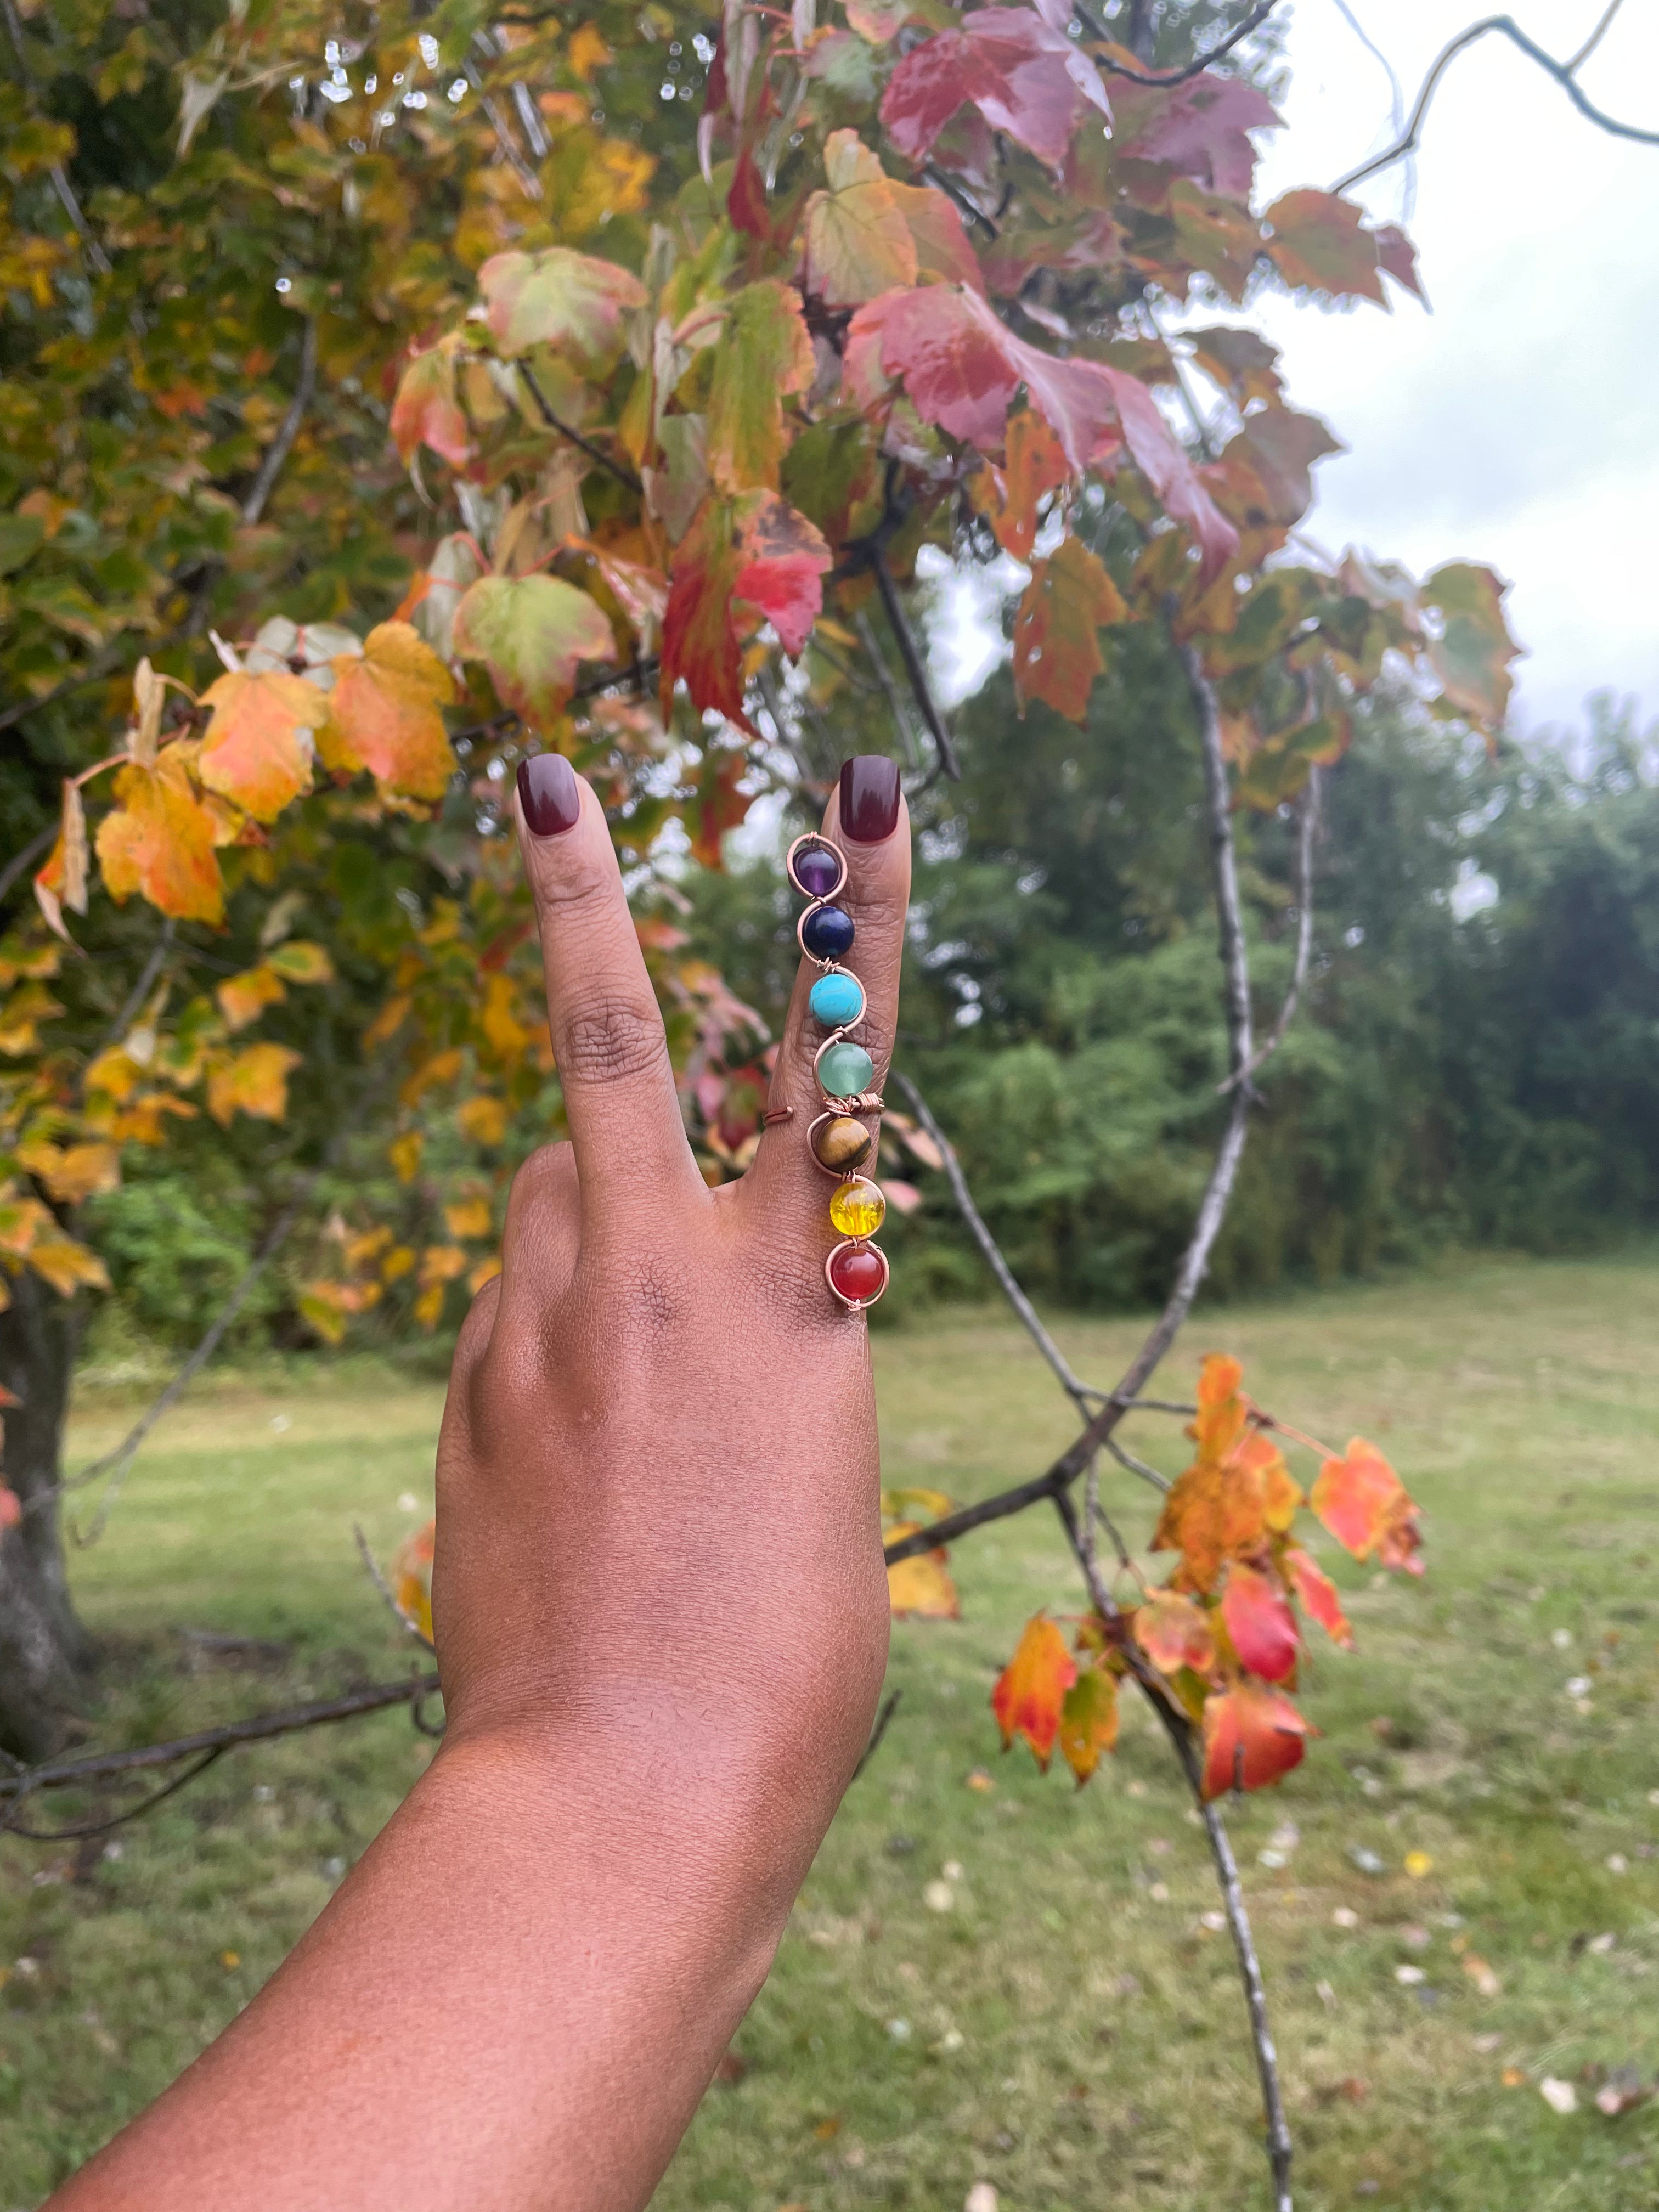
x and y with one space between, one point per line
19 863
915 667
283 444
1253 21
890 1706
1506 27
1307 830
597 455
58 175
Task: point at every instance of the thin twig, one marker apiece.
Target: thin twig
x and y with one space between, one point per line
890 690
890 1705
387 1593
1506 27
19 863
283 444
103 1765
1139 1467
1595 38
1254 20
56 173
915 667
141 989
1307 831
597 455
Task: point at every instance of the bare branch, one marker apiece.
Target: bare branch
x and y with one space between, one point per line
1136 1466
141 989
283 444
1095 29
1307 831
915 668
890 1706
1508 28
597 455
890 690
1595 38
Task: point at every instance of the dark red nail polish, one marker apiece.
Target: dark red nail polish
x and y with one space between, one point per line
549 794
869 797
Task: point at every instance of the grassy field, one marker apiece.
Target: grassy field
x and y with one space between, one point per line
1066 2026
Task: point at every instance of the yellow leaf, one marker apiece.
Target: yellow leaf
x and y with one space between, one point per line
260 744
922 1585
22 1221
483 1119
242 999
404 1154
159 843
396 1263
300 962
72 1172
485 1272
441 1263
325 1318
386 703
411 1577
468 1217
430 1305
254 1082
66 1265
387 1023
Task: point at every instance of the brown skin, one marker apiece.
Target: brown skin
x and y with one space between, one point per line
661 1620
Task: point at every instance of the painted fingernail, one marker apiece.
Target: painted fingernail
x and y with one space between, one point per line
869 797
549 793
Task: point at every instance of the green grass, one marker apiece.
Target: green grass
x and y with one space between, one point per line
1068 2029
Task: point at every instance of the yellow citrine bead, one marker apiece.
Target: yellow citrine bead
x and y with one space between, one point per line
858 1208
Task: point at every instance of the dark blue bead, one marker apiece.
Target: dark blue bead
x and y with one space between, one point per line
828 934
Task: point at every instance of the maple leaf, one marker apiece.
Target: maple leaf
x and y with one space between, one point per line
943 255
858 242
1472 655
1024 75
1252 1736
62 882
1367 1508
386 716
71 1173
242 999
1259 1623
533 633
67 1265
1031 1689
1240 362
1269 465
426 411
753 553
961 366
1236 1492
411 1577
1320 242
921 1585
259 745
561 299
1175 1633
1088 1721
1035 464
764 353
159 840
254 1082
1056 648
1319 1596
1199 130
468 1217
720 804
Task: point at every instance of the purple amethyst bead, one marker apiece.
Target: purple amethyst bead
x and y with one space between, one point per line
817 871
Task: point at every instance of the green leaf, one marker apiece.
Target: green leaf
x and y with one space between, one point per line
763 353
1473 654
568 301
533 633
20 538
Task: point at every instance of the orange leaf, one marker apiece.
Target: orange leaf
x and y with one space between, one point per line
922 1585
1237 1492
386 705
1252 1736
1031 1689
1035 465
1318 1594
254 1082
411 1577
1056 650
1088 1722
66 1265
73 1172
426 411
1366 1507
469 1217
1259 1623
242 999
483 1119
259 747
11 1509
159 843
1174 1633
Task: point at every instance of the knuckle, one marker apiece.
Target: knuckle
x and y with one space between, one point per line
610 1040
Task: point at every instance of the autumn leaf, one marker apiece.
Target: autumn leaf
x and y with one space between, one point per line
1031 1689
411 1577
483 1119
858 243
1472 655
533 633
1035 465
254 1082
561 299
1260 1624
259 747
1319 1597
386 716
921 1585
299 961
67 1265
1366 1507
763 352
1238 1490
1056 648
720 805
1321 242
1252 1736
1175 1633
1199 129
1024 75
63 881
71 1173
1088 1721
426 411
158 842
242 999
468 1217
404 1154
753 553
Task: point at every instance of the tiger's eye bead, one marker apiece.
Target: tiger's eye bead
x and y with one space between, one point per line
817 871
836 1000
858 1208
845 1070
828 934
857 1272
842 1144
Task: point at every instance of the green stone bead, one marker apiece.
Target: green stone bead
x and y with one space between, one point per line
845 1070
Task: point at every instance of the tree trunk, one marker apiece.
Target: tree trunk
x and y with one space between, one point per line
45 1653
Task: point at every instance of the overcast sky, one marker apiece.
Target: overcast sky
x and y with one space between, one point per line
1517 423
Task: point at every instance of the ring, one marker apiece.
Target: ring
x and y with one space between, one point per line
856 1270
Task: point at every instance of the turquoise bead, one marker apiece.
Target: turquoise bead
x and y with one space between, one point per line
845 1070
836 1000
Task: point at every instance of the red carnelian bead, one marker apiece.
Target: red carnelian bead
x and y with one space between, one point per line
856 1271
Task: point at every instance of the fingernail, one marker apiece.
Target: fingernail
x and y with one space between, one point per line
869 797
549 794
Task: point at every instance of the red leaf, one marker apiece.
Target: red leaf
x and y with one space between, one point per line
1252 1737
1199 129
1024 77
426 411
11 1510
1031 1689
1174 1633
962 367
756 553
1397 255
720 804
1319 1597
746 201
1260 1624
1366 1507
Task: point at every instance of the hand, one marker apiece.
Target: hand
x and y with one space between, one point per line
659 1530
